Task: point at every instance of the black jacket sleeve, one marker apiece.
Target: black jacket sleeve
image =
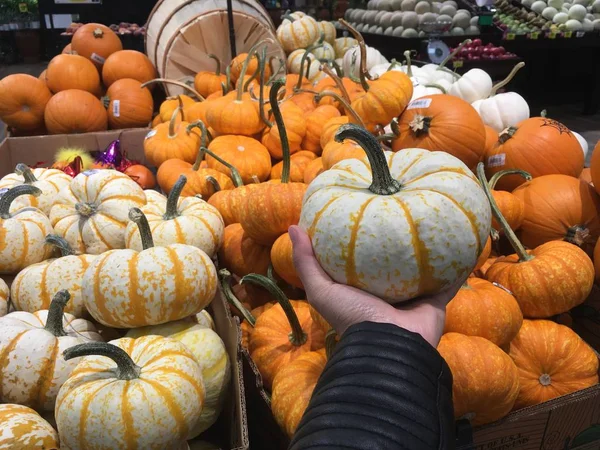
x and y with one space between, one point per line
383 388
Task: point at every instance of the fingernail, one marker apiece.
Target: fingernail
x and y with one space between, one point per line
293 232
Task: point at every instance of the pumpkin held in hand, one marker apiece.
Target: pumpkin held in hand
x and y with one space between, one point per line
400 235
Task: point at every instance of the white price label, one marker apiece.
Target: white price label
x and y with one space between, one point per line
496 160
97 58
150 134
116 108
419 103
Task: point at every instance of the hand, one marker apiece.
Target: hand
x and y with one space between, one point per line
343 306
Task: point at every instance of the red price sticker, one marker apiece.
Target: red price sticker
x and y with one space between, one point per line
457 64
510 36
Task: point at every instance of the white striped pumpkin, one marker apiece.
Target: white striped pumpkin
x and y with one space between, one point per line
209 350
154 198
32 368
129 289
22 234
49 181
34 286
144 393
188 220
297 32
397 225
21 428
4 294
91 213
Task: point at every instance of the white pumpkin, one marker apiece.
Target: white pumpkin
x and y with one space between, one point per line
351 64
557 4
325 51
587 25
32 367
396 5
410 33
373 29
422 90
502 110
294 60
154 197
144 393
538 6
549 12
574 25
448 10
561 17
397 19
341 45
427 18
408 5
294 33
49 181
210 352
423 243
388 31
596 6
91 213
474 85
422 7
384 5
398 31
461 21
457 31
583 142
22 428
410 19
386 20
328 30
472 30
577 12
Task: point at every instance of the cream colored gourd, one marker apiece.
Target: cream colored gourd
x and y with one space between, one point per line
297 32
294 65
412 227
21 428
205 319
4 300
129 289
324 51
34 286
328 30
351 60
474 85
49 181
501 111
147 392
91 213
423 90
154 198
180 220
341 45
32 367
294 61
209 350
22 234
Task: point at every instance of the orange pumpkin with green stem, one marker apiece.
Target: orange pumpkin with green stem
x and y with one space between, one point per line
315 123
251 158
295 125
557 267
511 206
169 106
207 82
241 254
274 207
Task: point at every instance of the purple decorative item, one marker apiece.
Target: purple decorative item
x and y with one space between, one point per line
112 156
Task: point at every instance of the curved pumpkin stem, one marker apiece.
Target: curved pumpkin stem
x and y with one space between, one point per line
171 211
436 86
393 63
276 72
214 183
228 78
10 196
60 243
218 63
26 173
364 73
285 145
494 180
261 96
408 63
349 110
139 218
235 174
338 82
508 79
172 121
126 368
56 311
506 134
251 54
383 183
453 54
297 336
203 142
176 83
225 282
508 232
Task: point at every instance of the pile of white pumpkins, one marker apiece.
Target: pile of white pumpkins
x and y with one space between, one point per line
413 18
580 15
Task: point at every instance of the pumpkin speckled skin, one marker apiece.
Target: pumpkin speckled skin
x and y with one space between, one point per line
92 212
455 128
482 309
319 320
4 294
21 428
427 235
295 124
283 261
241 254
23 99
315 123
227 115
75 111
293 387
127 64
485 379
313 170
485 254
247 329
552 361
209 350
49 181
161 144
70 71
298 164
229 202
331 127
538 145
198 184
557 267
168 107
247 155
334 152
155 410
511 207
32 368
555 207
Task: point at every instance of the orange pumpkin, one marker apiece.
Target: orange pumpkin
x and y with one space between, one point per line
129 105
315 123
75 111
443 123
334 152
207 82
96 42
141 175
236 65
67 49
491 137
313 170
594 170
511 206
485 379
282 258
168 107
482 309
552 361
72 72
252 159
295 127
23 99
298 164
559 207
230 202
538 145
242 255
485 254
330 128
127 64
586 174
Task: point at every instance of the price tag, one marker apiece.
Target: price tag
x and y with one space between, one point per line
510 36
534 35
568 34
457 64
23 7
579 34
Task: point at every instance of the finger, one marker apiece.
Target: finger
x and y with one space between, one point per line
309 270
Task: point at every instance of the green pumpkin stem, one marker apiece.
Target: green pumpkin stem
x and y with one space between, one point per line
225 282
437 86
10 196
508 232
251 54
349 110
297 336
508 79
494 180
393 63
453 54
289 17
235 175
138 217
228 78
214 183
277 72
364 73
285 145
261 96
203 142
408 63
26 173
60 243
56 311
176 83
306 57
330 343
338 82
176 111
217 62
383 183
337 68
173 198
126 368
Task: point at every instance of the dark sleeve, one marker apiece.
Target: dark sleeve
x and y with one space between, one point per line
383 388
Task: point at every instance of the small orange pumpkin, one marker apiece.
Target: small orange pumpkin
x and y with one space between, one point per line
283 261
72 72
295 126
127 64
298 164
95 42
242 255
330 128
23 99
230 202
196 111
511 206
75 111
128 104
207 82
334 152
168 107
313 170
315 123
141 175
237 64
252 159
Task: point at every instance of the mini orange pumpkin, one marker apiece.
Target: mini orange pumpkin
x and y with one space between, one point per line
127 64
207 82
96 42
334 152
72 72
295 126
242 255
251 158
237 65
313 170
315 123
75 111
330 128
511 206
282 258
168 107
141 175
128 104
23 99
230 202
298 164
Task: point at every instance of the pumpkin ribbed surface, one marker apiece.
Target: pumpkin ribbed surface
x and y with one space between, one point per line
96 42
23 99
247 155
21 428
511 207
160 145
241 254
130 105
75 111
72 72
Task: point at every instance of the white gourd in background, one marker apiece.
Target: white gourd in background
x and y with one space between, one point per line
474 85
582 142
351 63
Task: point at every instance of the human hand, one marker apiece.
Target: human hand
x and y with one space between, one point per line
343 306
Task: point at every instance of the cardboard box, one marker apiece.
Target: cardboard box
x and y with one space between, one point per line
231 429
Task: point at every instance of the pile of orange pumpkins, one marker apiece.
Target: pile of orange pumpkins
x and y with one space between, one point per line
92 86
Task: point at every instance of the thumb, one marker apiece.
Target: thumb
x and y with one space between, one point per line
309 270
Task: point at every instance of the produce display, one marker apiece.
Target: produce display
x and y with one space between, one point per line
123 28
476 50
